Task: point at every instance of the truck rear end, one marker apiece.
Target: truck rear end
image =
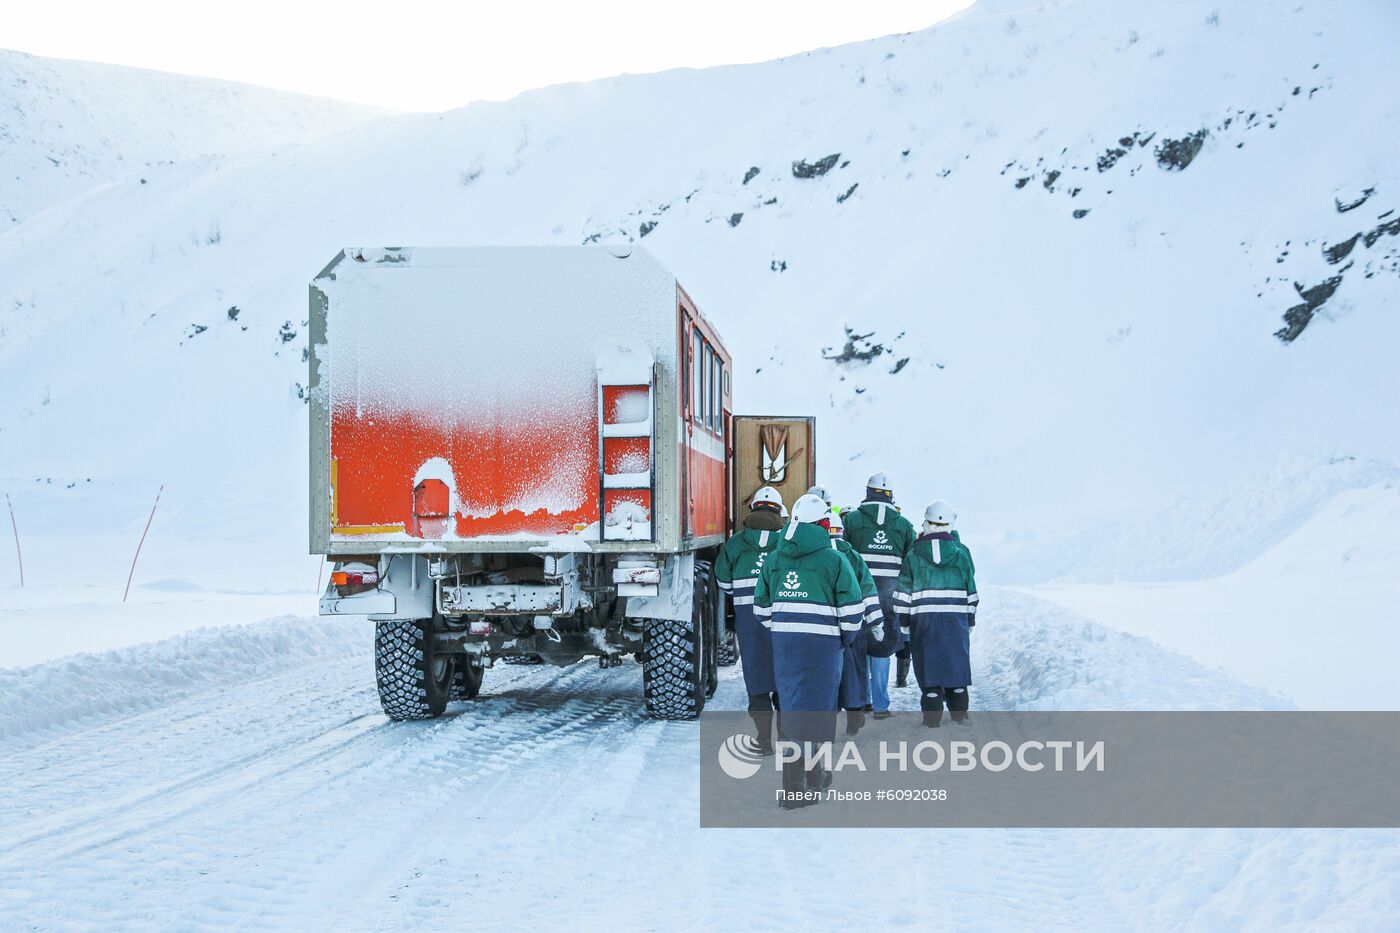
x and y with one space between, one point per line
503 465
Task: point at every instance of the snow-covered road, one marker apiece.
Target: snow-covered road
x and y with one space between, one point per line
239 798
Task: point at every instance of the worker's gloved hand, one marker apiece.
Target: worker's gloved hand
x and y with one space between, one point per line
878 632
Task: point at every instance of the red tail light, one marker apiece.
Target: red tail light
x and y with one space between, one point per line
349 582
345 578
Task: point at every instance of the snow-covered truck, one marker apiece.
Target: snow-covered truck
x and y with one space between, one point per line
519 452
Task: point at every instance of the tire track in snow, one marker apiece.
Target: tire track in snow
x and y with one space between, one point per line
414 742
211 785
458 793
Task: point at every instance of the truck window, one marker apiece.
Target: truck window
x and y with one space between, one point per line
704 413
695 381
723 393
716 403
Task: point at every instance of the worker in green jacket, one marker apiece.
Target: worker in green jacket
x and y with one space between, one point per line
855 672
882 536
808 596
936 601
736 571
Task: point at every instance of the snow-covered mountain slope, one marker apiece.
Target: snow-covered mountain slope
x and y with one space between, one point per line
1032 260
66 127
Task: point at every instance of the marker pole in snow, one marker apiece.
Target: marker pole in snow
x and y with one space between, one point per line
141 542
18 556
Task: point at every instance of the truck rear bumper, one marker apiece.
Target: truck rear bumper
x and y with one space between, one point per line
371 602
513 599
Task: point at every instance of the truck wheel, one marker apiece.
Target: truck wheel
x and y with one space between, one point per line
466 679
728 648
710 625
727 642
673 674
678 669
413 682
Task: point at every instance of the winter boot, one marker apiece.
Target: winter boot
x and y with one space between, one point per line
902 669
818 778
794 786
855 718
958 699
761 712
931 702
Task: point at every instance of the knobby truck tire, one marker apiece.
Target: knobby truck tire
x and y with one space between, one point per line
676 674
708 595
411 686
728 647
673 672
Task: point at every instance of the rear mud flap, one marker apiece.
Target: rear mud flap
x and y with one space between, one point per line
675 592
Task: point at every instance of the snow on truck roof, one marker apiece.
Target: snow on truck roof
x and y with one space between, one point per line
571 267
366 258
441 332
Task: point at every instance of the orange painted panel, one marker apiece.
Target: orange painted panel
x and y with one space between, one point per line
708 484
541 478
615 497
431 499
626 454
629 400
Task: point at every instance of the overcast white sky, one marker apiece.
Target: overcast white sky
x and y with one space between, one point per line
435 55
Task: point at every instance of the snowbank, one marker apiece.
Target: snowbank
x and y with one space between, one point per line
1031 654
88 687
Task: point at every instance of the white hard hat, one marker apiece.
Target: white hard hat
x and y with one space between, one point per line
940 513
809 508
836 523
766 494
820 491
782 510
878 481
